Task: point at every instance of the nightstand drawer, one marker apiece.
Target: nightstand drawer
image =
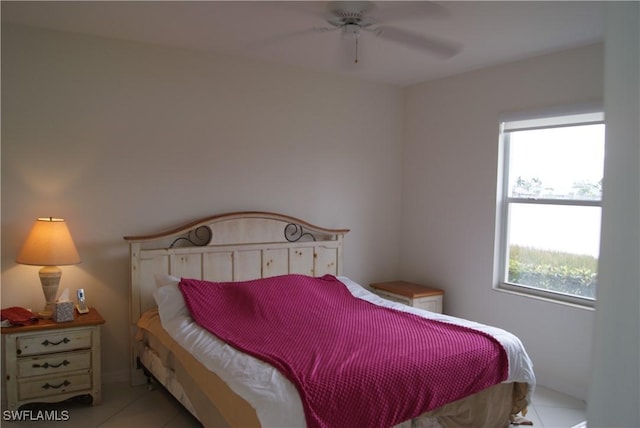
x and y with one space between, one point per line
51 386
53 342
431 304
54 363
395 297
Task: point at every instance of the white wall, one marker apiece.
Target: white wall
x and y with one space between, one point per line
449 201
615 382
122 138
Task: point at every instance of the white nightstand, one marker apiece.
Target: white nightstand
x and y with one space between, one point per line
51 362
411 294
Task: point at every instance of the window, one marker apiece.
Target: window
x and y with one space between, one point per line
550 203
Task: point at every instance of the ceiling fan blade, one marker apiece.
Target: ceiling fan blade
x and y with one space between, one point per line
433 45
396 10
325 29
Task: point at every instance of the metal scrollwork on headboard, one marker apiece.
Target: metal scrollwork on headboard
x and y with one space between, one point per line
295 232
198 237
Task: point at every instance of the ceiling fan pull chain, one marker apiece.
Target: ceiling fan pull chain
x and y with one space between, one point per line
356 60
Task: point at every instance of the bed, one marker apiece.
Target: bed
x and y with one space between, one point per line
240 389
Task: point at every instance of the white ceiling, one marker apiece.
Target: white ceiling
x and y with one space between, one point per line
283 32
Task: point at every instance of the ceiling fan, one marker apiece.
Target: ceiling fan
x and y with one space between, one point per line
353 18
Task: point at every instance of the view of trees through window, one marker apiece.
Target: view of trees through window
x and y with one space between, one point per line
534 188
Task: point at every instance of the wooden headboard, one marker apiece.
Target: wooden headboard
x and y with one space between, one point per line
230 247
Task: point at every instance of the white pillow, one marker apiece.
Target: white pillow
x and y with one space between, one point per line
162 280
168 297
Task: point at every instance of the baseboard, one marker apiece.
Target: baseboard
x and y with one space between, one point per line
579 394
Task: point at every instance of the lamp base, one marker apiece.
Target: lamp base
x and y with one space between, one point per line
50 279
45 315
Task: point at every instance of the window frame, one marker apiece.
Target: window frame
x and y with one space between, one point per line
552 118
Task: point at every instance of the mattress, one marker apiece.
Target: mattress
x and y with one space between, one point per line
262 397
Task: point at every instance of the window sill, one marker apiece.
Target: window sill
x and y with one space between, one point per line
586 305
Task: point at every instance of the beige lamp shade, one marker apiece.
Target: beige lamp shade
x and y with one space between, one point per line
49 244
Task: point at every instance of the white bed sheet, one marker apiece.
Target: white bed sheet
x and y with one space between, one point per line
275 398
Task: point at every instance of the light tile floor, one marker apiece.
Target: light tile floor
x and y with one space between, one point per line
551 409
139 407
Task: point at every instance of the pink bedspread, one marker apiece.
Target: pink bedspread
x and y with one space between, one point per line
354 364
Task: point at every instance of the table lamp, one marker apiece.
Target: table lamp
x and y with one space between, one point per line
49 244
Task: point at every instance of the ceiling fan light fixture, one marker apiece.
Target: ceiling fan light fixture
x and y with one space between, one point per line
351 31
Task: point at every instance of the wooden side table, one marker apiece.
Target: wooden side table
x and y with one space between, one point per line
411 294
51 362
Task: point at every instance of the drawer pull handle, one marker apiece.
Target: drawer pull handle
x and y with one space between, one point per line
48 385
47 365
47 343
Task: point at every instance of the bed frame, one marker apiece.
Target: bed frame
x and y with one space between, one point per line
237 246
249 245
